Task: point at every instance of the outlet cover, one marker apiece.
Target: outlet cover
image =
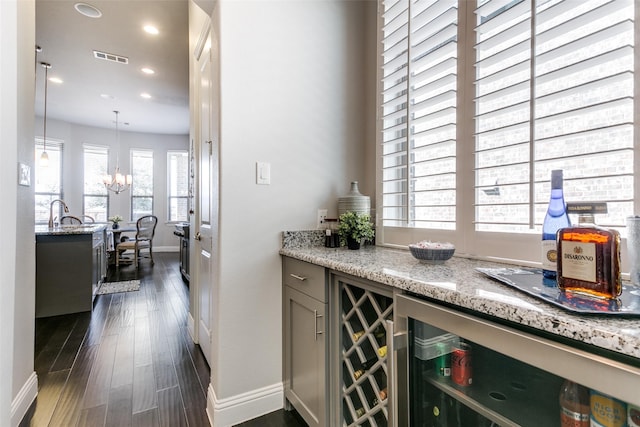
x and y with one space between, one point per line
322 215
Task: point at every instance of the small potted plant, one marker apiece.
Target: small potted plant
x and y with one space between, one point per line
353 228
115 220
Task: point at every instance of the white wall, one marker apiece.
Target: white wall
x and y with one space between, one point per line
295 78
17 255
74 136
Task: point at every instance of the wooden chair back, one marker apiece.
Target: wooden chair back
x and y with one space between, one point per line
146 227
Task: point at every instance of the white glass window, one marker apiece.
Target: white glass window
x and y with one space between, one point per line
557 94
419 116
96 197
178 185
480 100
142 186
48 180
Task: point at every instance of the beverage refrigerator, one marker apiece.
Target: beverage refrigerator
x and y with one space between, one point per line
449 367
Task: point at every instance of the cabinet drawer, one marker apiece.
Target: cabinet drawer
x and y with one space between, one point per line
305 277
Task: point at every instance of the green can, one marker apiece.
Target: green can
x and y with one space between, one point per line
443 360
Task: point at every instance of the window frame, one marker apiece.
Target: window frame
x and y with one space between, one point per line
518 248
98 149
52 145
146 153
170 197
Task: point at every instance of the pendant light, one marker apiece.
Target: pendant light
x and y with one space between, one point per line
44 157
118 182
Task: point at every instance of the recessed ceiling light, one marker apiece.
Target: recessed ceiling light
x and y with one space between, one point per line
107 96
151 29
148 71
55 80
88 10
145 95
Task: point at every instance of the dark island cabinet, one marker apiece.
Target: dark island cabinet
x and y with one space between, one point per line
69 270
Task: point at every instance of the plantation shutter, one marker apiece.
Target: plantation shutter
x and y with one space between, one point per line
419 78
554 90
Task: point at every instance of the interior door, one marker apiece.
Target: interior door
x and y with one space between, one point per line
207 217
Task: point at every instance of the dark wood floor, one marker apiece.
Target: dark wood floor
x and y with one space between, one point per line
130 362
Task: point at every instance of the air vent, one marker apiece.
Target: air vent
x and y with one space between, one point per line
110 57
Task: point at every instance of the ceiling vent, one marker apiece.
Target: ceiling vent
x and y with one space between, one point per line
110 57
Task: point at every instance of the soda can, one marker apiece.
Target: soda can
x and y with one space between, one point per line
461 372
607 411
633 418
443 360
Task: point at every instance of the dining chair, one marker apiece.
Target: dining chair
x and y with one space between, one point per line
70 220
145 230
88 219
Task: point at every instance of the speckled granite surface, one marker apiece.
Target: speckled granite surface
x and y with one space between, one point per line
457 282
43 230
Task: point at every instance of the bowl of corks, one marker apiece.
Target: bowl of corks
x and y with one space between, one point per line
432 252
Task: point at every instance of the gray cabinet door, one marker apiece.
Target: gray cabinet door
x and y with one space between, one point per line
305 356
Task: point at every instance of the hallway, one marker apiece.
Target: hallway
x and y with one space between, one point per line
129 363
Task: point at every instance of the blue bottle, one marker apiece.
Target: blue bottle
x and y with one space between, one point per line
555 219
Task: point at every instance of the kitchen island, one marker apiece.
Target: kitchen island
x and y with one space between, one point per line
70 266
595 350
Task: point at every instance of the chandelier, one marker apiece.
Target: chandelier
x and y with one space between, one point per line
117 182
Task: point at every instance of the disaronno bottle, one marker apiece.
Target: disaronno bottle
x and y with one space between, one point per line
589 261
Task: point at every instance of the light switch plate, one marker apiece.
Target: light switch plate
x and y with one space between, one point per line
263 173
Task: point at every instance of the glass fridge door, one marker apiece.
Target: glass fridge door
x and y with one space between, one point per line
463 370
457 382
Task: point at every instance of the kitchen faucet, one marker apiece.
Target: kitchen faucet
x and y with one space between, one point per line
64 205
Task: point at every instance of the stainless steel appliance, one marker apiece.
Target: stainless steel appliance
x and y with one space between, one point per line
182 231
513 375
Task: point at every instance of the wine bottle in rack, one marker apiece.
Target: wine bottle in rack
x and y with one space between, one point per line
381 397
364 367
380 334
382 351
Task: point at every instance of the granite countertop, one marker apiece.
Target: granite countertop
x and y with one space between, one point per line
458 283
44 230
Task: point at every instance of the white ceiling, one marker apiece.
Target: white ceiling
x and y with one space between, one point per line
68 40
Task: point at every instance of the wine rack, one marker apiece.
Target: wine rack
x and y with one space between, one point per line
363 355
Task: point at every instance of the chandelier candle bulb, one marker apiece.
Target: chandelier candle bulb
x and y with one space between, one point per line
118 182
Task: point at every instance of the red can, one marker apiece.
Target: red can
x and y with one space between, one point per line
461 365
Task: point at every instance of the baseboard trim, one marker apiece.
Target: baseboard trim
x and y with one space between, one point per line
243 407
26 396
